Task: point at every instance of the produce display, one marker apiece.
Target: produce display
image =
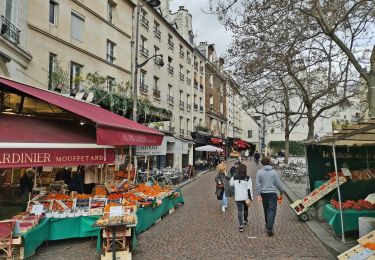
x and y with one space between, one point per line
352 204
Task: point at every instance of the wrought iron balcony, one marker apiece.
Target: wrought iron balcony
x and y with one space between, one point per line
196 107
182 105
144 22
182 54
188 81
201 109
201 69
157 33
188 59
170 69
144 51
188 107
196 65
10 30
182 76
182 131
156 93
170 100
143 88
170 44
195 84
201 87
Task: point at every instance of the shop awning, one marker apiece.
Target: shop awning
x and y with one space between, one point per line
241 144
111 129
215 140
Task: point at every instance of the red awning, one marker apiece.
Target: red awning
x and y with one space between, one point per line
111 129
215 140
242 144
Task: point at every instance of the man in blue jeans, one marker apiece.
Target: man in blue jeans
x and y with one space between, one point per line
266 185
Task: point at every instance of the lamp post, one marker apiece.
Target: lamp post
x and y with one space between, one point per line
136 66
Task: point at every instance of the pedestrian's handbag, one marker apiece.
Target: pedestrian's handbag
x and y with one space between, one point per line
220 185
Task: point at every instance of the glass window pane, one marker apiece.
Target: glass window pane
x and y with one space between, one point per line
52 12
77 28
8 9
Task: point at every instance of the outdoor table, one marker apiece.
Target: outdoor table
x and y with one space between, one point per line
350 216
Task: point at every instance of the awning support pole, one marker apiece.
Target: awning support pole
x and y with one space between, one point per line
339 193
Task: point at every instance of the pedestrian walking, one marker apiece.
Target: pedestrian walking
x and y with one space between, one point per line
243 194
266 184
223 189
256 157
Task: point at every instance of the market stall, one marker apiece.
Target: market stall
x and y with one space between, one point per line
61 136
348 154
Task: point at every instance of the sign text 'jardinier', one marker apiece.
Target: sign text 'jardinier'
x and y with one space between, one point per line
54 157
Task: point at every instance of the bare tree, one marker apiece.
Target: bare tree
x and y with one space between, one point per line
274 39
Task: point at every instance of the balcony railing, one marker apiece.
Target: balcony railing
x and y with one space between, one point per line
182 105
157 33
143 88
182 77
170 100
195 84
156 93
10 30
211 107
188 107
182 54
144 51
188 81
110 58
144 22
201 87
201 109
182 131
196 107
201 69
188 59
170 44
196 65
170 69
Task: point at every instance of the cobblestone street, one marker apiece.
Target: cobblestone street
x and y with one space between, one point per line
199 230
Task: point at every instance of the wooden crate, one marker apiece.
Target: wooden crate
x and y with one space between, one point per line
370 237
357 251
120 255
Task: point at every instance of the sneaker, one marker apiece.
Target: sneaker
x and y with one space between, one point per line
223 209
245 222
240 229
269 232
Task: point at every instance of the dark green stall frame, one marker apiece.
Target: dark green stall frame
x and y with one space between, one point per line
320 163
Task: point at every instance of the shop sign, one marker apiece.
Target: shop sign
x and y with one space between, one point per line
54 157
152 149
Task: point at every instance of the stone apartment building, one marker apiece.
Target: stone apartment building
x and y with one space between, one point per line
14 55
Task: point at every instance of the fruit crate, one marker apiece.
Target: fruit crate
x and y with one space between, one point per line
82 203
357 252
369 238
302 206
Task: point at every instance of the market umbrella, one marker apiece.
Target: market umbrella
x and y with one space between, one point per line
208 148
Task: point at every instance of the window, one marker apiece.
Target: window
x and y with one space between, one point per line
142 77
249 133
77 27
110 10
110 51
110 83
156 83
188 124
52 12
143 18
170 42
157 32
52 67
75 73
211 103
143 46
10 10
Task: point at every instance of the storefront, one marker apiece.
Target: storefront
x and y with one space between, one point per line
45 130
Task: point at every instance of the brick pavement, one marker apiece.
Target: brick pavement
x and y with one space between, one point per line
199 230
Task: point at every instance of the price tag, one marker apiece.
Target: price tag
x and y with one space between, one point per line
115 211
37 209
346 172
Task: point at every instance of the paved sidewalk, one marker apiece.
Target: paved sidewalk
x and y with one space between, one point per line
320 227
199 230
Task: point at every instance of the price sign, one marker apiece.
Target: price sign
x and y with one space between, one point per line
37 209
115 211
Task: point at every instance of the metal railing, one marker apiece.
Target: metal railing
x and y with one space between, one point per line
170 100
196 107
188 59
182 76
195 84
10 29
188 81
182 105
170 69
143 88
144 51
144 21
201 87
201 109
182 54
156 93
157 33
170 44
188 107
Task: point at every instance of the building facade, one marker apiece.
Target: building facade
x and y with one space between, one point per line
14 54
79 38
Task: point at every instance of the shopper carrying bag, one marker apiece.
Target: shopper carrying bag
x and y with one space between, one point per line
243 194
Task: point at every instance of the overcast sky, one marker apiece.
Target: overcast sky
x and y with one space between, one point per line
206 27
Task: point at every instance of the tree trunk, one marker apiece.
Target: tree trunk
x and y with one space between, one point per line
310 122
371 94
286 160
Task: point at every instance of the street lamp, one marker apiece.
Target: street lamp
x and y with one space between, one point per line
152 3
